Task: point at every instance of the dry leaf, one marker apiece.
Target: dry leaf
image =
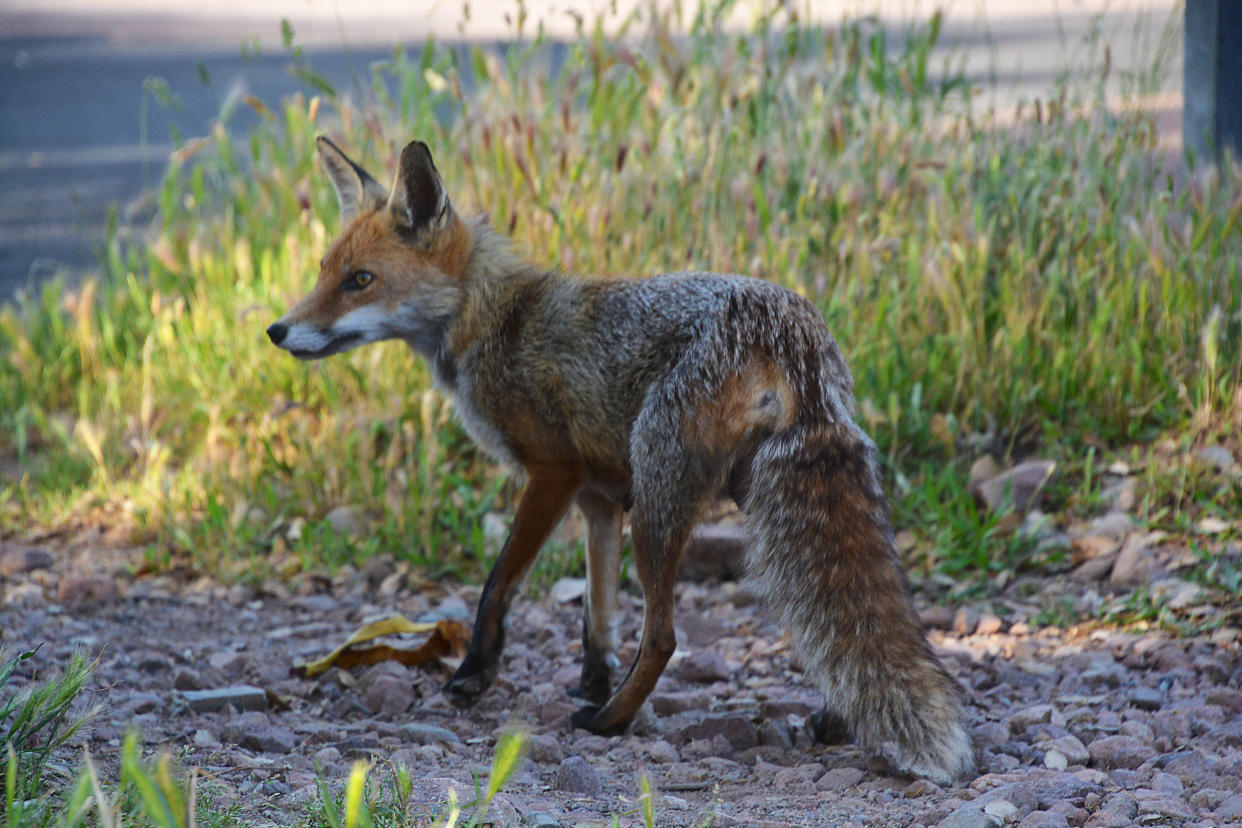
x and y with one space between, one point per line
447 639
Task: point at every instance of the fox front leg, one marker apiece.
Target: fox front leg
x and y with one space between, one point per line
544 501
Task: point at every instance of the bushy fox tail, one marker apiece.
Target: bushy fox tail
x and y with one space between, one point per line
824 559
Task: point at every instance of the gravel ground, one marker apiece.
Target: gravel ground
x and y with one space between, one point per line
1073 727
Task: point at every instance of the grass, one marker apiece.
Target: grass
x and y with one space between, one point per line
1013 283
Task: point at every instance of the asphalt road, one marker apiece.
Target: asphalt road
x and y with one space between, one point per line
81 133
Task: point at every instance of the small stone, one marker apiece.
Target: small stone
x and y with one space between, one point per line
1119 752
704 666
1230 809
1216 457
838 779
1136 563
544 750
15 560
670 704
1043 819
662 753
715 551
185 679
989 624
1069 746
82 589
1055 759
969 816
1020 720
253 731
965 621
1114 524
388 695
1002 809
936 617
567 589
241 696
540 819
347 519
329 755
738 730
576 775
1019 486
983 469
425 734
1145 698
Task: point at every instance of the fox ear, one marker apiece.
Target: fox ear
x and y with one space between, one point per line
355 188
418 199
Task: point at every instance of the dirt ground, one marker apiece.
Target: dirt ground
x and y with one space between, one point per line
1073 727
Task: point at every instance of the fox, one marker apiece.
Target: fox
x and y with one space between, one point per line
656 397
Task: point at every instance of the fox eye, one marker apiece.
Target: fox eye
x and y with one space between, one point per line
361 279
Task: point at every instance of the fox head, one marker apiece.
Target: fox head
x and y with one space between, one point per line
394 272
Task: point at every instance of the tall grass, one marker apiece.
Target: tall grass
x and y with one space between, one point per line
1039 275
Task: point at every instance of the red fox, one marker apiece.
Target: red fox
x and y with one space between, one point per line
655 396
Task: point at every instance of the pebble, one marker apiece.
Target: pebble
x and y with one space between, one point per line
1125 752
16 560
426 734
241 696
82 589
838 779
1018 486
968 816
704 666
715 551
253 731
576 775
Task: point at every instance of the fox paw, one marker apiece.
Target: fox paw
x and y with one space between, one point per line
588 718
464 691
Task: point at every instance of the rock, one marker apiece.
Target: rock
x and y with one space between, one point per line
838 779
539 819
715 551
738 730
1019 486
1043 819
329 755
1114 524
1018 794
982 470
936 617
965 621
1230 809
388 695
989 624
670 704
662 753
322 604
347 519
1002 809
81 589
1020 720
704 666
1163 804
1136 563
1055 759
1094 569
1074 751
425 734
186 679
969 816
1216 457
1119 752
576 775
241 696
567 589
253 731
23 595
15 560
1145 698
544 749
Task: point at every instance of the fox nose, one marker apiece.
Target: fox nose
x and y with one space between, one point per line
277 332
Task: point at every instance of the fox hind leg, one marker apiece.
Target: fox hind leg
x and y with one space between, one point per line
599 646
